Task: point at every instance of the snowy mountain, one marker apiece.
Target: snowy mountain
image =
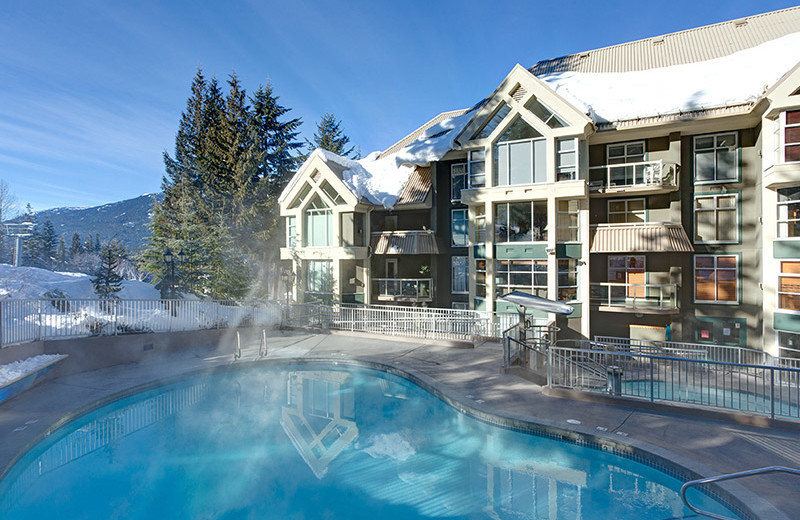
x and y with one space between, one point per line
32 282
127 221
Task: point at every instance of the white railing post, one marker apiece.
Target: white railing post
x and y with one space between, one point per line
40 320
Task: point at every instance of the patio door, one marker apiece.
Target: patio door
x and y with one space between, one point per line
629 270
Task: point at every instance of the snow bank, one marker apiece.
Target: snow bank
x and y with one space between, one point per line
380 181
392 446
32 282
731 80
18 369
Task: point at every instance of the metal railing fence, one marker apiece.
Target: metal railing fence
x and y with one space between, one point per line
759 389
24 321
418 322
633 296
532 352
725 353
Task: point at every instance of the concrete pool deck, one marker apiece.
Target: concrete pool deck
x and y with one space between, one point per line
468 378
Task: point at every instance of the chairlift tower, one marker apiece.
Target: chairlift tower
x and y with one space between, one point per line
18 231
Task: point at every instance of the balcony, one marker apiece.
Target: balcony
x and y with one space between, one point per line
641 298
640 177
415 290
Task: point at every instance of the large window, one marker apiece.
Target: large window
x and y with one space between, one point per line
291 231
319 224
520 155
716 219
626 211
567 279
789 212
544 113
529 276
458 181
477 168
480 224
319 277
459 227
459 274
715 158
568 212
566 159
791 135
789 286
480 278
716 279
625 153
628 270
520 222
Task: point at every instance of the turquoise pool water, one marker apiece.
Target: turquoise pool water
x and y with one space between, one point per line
320 442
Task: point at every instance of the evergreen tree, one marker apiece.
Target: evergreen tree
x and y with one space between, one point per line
61 253
107 282
233 154
32 245
97 247
330 136
75 247
88 245
47 243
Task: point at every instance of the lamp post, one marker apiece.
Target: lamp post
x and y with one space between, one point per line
169 259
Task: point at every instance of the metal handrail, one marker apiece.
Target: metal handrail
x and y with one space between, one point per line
729 476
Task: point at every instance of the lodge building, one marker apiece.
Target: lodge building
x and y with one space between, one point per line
653 185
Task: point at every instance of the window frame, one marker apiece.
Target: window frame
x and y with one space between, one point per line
506 272
627 211
716 279
626 155
576 227
329 273
778 220
507 145
308 235
291 231
575 270
736 210
478 271
470 172
737 166
480 224
778 291
465 221
782 136
453 273
453 175
532 203
559 154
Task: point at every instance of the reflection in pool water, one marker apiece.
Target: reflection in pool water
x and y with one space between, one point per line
319 442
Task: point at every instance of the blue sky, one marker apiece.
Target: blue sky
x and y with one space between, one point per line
91 91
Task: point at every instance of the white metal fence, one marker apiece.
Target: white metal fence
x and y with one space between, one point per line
23 321
418 322
758 389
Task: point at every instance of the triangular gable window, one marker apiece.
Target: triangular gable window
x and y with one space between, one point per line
544 113
332 193
301 196
796 92
519 129
493 122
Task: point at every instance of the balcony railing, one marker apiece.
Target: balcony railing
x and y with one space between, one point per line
637 297
634 175
405 289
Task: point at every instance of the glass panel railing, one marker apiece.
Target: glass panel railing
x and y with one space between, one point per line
634 296
648 173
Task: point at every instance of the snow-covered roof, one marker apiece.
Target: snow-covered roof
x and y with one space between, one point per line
736 79
379 178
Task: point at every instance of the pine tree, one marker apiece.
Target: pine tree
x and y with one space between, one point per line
107 282
47 243
32 245
75 247
233 154
61 253
97 247
88 245
330 136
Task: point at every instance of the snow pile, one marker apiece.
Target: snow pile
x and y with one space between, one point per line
392 446
380 181
731 80
18 369
32 283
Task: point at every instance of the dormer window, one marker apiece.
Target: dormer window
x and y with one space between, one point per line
544 113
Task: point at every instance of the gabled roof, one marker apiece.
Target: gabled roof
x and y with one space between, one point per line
688 73
678 48
413 136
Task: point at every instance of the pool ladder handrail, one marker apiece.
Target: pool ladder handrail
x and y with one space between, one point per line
729 476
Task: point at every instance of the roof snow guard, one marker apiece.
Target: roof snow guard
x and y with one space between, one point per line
727 64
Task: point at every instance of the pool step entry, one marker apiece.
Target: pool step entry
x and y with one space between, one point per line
262 348
237 352
729 476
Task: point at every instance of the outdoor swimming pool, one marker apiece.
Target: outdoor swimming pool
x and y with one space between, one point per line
320 441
